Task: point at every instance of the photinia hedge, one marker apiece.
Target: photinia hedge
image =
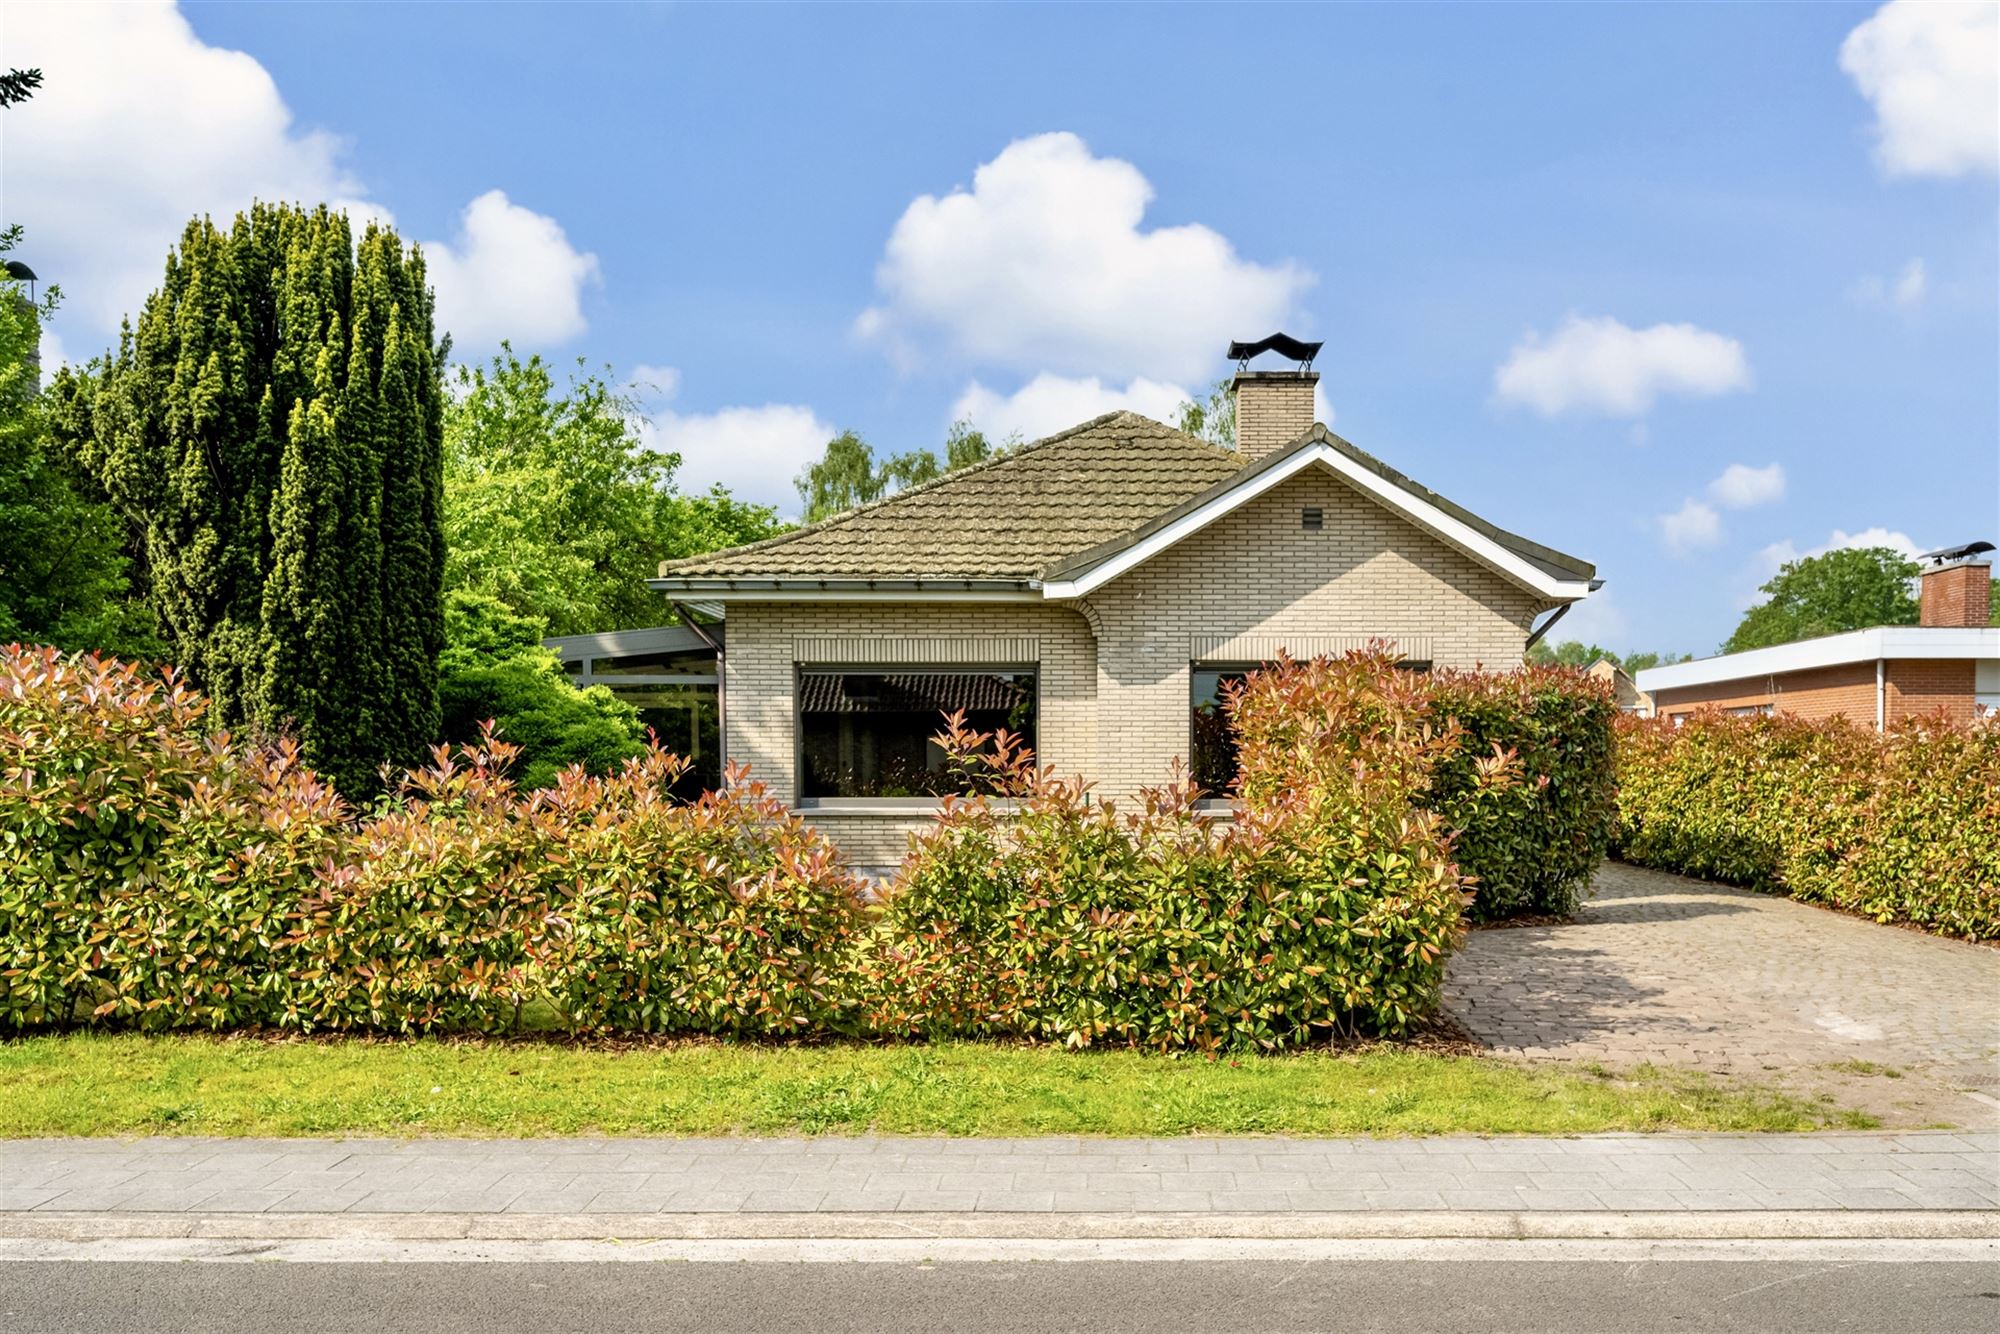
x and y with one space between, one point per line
1328 905
154 874
1900 827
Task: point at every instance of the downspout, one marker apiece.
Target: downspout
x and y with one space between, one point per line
1881 695
721 681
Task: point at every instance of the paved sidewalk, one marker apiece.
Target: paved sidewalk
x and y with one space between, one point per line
1930 1170
1675 971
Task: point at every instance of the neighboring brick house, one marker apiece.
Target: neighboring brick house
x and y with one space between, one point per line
1948 662
1093 590
1624 689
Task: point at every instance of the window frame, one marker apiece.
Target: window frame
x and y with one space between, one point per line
886 805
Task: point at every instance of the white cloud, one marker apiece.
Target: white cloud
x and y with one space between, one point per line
53 355
1044 265
1694 524
1906 292
1597 364
1050 403
1741 486
654 384
1782 553
755 452
1929 67
510 273
141 126
1910 287
138 127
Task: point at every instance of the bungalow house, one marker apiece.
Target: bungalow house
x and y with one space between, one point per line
1092 591
1949 661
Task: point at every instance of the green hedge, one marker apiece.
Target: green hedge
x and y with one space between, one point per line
1536 852
153 874
1899 827
1329 904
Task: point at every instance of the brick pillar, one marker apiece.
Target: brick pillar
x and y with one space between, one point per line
1959 594
1273 408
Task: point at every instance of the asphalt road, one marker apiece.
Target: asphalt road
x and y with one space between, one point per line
1596 1297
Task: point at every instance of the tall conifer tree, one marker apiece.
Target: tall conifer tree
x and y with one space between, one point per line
274 427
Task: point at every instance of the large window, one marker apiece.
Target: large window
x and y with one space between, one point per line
1211 740
1212 757
868 734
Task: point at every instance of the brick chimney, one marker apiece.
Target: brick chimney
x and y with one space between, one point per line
1273 408
1955 592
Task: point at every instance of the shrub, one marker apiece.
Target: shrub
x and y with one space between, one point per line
1329 905
1902 827
1529 846
1533 848
494 669
154 874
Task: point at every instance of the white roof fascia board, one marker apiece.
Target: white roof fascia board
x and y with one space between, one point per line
1419 511
1883 642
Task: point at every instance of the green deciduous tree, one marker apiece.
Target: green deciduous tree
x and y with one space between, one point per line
273 428
62 570
1575 653
1213 418
1849 589
848 473
495 669
554 505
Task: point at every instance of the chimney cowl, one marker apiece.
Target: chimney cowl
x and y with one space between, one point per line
1273 408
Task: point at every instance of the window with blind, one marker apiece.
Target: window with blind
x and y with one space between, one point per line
870 733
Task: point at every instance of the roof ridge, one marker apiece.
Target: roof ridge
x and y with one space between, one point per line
951 475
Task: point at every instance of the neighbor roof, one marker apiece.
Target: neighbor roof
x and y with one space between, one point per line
1006 519
1877 644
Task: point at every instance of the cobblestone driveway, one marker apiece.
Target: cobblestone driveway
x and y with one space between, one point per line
1665 969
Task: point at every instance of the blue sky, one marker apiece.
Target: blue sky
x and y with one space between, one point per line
1679 289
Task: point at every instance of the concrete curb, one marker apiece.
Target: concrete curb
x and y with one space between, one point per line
1855 1225
927 1251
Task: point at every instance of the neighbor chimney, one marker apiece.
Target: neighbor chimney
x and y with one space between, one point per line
1958 589
1273 408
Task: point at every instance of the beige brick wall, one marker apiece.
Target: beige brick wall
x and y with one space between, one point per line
1256 573
1114 703
768 640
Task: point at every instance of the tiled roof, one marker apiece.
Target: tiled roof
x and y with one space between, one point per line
1009 518
1546 559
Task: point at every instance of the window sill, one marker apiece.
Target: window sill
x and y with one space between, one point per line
837 806
1219 808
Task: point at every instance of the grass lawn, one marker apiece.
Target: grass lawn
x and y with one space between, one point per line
129 1084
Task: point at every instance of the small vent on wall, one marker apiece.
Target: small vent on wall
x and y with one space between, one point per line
1311 519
